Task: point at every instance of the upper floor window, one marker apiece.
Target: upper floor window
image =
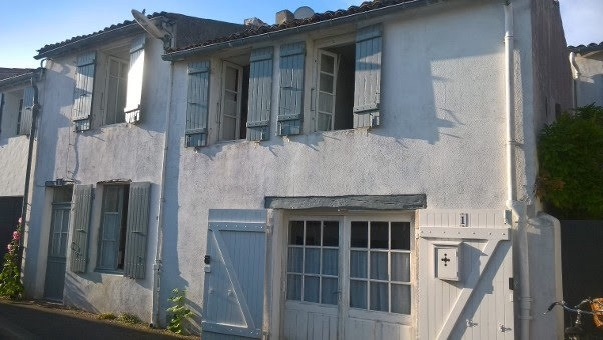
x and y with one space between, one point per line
16 112
108 86
345 92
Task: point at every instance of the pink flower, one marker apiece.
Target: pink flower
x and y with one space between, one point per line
20 220
10 248
16 235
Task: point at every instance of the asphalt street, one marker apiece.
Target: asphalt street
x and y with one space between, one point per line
31 321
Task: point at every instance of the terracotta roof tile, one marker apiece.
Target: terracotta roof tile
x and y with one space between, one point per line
6 73
588 48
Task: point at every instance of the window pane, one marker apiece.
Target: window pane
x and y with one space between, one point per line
326 83
330 259
379 266
296 232
295 258
400 299
400 235
311 288
231 78
111 199
379 237
324 122
312 264
359 238
325 103
358 294
293 287
329 291
358 264
331 234
313 233
379 296
229 130
327 63
401 267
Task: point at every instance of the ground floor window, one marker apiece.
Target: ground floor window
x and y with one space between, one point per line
369 260
113 227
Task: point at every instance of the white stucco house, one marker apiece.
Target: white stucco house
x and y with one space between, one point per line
367 173
17 93
92 236
587 71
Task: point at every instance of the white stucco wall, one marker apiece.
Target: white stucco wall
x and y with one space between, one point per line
589 85
122 151
13 147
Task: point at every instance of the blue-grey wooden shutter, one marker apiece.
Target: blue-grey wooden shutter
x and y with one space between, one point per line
1 109
197 108
84 86
135 80
291 96
367 90
235 270
260 94
137 228
82 202
27 113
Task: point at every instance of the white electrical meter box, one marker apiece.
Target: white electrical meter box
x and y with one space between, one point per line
447 258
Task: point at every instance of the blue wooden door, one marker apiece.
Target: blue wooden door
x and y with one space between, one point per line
57 250
234 274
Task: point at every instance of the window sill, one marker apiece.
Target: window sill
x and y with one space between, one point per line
109 272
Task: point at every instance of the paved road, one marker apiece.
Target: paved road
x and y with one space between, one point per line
28 321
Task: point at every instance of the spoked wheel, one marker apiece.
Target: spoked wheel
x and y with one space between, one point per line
574 333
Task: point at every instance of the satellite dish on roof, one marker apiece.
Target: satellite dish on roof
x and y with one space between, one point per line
303 12
148 25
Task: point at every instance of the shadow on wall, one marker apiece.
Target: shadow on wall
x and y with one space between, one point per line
74 295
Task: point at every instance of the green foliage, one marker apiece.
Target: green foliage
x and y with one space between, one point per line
179 312
570 152
129 318
10 278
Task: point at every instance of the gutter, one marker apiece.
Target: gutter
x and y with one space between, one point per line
575 76
272 35
35 109
518 209
158 266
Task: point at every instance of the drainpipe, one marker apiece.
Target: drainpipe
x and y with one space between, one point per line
157 267
575 76
34 116
517 208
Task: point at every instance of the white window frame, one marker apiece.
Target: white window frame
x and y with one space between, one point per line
238 94
320 93
123 188
123 76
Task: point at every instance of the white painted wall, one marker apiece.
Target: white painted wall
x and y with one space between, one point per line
119 151
589 85
13 147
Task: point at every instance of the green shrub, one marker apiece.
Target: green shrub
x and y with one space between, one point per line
107 316
179 312
570 153
129 318
10 278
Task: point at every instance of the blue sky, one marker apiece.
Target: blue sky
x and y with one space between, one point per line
31 24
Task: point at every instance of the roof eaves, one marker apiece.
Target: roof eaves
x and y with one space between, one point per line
582 49
274 33
18 80
89 40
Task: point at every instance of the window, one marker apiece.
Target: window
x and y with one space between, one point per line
377 254
122 232
313 261
235 80
19 114
124 225
380 266
113 227
245 98
108 88
16 112
348 81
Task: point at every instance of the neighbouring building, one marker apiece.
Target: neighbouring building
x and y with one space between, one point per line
587 69
92 237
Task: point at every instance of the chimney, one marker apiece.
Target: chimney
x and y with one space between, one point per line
255 22
283 16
